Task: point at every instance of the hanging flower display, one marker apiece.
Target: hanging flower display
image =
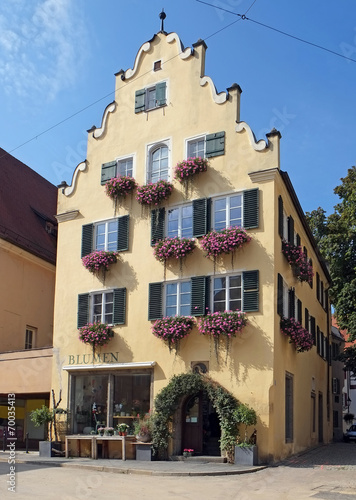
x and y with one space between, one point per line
301 267
99 260
225 241
120 187
222 325
176 248
172 329
154 193
189 167
299 336
95 334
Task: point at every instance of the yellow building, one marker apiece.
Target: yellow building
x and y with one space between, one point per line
27 269
167 110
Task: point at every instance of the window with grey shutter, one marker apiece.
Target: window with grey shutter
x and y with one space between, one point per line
140 100
83 310
123 233
251 208
201 217
291 230
250 291
155 301
157 225
280 295
87 239
161 98
306 319
199 295
291 305
119 313
215 144
108 171
299 311
312 329
298 240
280 217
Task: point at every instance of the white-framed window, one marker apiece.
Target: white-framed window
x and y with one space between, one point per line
116 168
158 162
102 307
227 293
180 221
125 167
106 235
227 211
151 97
30 337
177 298
196 147
285 225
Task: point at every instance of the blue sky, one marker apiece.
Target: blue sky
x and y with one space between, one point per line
58 59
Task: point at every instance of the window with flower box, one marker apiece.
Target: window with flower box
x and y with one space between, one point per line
203 296
238 209
180 221
107 306
111 235
116 168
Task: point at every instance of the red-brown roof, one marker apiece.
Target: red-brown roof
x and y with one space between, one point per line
28 203
343 333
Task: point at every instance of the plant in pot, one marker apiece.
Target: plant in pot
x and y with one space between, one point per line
122 428
143 428
246 450
48 418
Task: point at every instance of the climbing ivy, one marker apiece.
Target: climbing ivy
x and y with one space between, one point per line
186 384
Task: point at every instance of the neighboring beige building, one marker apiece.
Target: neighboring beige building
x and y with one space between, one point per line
28 232
165 110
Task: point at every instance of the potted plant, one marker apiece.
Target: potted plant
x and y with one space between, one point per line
108 431
101 431
123 428
299 336
143 428
246 450
188 452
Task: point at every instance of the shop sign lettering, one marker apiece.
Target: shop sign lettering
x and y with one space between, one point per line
90 359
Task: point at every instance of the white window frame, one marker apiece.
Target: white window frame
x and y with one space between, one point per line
106 222
121 159
178 295
180 219
148 89
30 343
151 148
91 305
192 140
227 209
285 226
227 290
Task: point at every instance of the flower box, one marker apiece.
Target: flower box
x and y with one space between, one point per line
154 193
222 324
301 267
95 334
172 329
120 187
189 167
299 336
218 242
99 260
176 248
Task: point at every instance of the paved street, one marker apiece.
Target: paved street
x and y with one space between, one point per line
327 473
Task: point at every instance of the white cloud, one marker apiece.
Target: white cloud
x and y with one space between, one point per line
43 44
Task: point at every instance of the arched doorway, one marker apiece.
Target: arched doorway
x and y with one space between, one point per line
200 425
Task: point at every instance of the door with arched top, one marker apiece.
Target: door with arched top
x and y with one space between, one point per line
192 437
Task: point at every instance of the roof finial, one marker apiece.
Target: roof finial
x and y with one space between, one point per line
162 17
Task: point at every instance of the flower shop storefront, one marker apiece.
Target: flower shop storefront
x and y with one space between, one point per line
107 395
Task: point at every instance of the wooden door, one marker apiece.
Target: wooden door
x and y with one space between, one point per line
193 424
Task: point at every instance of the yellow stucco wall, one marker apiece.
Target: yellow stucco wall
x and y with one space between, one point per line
254 369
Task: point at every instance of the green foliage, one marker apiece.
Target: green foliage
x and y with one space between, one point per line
349 358
168 401
41 416
336 237
246 416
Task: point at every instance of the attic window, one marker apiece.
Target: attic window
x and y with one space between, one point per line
157 65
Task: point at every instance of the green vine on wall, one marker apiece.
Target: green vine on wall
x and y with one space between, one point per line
186 384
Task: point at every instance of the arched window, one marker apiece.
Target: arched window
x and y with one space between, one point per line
158 163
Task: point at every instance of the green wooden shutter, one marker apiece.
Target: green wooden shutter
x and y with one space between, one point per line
250 291
155 292
157 225
199 295
299 308
298 240
311 279
140 100
87 239
280 295
123 233
108 171
251 208
161 94
119 313
312 328
83 309
280 216
201 216
215 144
291 230
318 340
306 319
291 305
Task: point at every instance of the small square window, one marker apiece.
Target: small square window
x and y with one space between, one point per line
125 167
30 337
196 148
157 65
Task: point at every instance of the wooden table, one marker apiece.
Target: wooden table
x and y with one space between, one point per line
94 443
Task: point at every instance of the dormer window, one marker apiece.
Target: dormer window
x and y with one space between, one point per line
151 97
